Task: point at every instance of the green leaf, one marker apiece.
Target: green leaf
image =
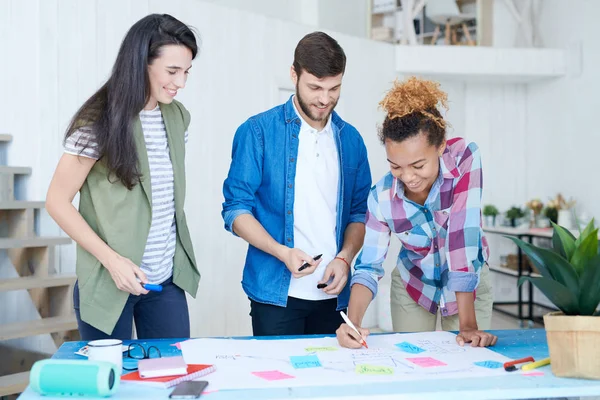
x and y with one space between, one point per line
557 293
589 295
585 251
551 265
563 241
582 235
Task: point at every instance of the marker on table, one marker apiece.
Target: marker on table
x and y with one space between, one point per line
351 325
306 265
153 288
536 364
512 365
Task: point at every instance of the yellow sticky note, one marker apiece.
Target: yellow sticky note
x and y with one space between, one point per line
366 369
315 349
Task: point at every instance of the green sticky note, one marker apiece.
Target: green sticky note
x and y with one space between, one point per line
366 369
315 349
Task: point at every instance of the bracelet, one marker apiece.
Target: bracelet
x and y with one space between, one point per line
344 260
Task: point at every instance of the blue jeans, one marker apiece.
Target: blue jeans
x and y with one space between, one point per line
157 315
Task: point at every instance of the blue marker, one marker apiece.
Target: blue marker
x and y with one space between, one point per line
154 288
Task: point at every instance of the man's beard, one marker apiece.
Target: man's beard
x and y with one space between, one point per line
307 111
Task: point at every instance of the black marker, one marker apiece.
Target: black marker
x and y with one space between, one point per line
306 265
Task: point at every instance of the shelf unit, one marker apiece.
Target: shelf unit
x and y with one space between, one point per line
500 306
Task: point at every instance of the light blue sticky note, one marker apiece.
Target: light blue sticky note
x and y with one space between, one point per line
311 361
409 348
489 364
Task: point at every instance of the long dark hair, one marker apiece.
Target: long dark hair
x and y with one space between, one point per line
110 111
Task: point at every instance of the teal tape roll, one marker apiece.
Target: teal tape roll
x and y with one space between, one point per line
74 378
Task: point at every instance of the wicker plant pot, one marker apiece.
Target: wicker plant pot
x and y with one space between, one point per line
574 343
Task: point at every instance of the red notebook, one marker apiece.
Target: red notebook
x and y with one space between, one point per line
194 371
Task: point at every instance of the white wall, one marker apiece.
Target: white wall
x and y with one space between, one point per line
344 16
300 11
556 149
67 52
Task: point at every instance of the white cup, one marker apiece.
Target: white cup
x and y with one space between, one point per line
107 350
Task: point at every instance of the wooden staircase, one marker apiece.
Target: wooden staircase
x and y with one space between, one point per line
33 259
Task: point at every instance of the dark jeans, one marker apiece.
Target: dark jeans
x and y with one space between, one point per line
157 315
299 317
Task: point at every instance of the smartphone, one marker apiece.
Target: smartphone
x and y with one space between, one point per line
188 390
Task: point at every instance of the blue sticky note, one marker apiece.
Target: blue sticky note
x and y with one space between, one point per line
489 364
409 348
311 361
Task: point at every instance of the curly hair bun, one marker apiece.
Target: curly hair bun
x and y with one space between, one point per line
414 95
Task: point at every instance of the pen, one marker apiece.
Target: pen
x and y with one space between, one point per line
536 364
306 265
351 325
153 288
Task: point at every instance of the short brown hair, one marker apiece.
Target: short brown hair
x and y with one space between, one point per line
320 55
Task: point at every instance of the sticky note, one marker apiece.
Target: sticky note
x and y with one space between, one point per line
316 349
311 361
489 364
426 362
409 348
365 369
534 373
272 375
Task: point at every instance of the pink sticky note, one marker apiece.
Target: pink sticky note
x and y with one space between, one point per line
535 373
426 362
272 375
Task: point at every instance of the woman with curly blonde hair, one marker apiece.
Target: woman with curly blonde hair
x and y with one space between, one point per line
431 200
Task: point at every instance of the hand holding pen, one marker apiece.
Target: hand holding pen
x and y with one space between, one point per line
299 263
350 336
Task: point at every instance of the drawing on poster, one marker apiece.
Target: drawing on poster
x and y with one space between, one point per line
251 363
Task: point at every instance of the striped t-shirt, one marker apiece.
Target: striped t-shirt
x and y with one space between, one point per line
157 262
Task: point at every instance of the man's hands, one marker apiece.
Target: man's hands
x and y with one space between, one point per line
339 270
294 258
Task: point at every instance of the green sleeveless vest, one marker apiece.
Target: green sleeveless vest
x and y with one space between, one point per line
122 219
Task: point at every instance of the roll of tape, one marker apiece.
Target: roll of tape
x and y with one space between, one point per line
74 378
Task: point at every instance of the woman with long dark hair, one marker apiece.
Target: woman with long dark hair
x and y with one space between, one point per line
125 155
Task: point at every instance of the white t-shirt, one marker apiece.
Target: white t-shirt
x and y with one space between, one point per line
315 205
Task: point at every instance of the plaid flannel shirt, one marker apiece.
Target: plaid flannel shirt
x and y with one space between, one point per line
443 245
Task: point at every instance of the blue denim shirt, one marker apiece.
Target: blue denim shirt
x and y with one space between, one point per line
261 182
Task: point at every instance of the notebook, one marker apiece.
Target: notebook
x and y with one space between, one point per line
194 371
165 366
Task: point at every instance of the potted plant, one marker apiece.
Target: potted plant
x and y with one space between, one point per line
560 211
536 207
570 279
490 212
551 212
513 214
